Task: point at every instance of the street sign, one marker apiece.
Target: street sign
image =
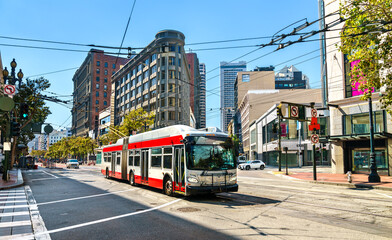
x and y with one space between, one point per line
6 104
294 111
314 125
313 112
314 138
9 89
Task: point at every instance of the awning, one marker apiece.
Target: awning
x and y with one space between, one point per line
378 135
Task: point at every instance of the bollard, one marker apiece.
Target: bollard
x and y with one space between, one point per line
349 177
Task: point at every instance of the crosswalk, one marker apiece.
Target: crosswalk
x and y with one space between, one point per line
15 221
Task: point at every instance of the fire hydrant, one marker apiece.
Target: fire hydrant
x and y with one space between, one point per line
349 177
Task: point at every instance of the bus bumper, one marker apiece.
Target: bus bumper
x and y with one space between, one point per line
192 190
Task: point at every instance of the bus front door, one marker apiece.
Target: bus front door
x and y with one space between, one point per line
144 166
113 164
179 169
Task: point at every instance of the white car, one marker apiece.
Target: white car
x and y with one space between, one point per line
72 163
253 164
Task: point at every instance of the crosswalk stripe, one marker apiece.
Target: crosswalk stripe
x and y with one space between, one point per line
13 201
15 224
14 206
14 214
24 236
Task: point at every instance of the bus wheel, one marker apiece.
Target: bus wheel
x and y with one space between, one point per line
168 187
132 179
107 173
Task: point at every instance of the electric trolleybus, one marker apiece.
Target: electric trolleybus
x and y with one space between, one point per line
177 159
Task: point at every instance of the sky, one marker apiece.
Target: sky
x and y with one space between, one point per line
103 22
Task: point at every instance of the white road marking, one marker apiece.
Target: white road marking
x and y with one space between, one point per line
10 214
15 224
12 191
14 197
36 219
40 179
16 201
11 194
50 174
24 236
14 206
384 195
77 198
106 219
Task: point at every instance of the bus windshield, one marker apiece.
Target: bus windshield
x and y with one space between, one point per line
210 153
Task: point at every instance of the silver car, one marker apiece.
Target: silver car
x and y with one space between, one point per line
72 163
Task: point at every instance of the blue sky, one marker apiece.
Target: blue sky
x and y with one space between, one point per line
103 23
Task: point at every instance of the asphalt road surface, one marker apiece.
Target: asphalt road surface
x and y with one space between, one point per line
82 204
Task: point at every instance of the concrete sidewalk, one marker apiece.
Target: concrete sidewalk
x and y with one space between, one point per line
324 176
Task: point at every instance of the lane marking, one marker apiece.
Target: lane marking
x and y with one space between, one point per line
50 174
18 197
107 219
40 179
10 214
15 224
11 194
13 191
384 195
77 198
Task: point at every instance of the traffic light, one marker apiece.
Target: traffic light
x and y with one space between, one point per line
279 110
24 111
15 129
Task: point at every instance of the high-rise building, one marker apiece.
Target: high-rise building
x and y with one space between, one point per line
92 88
202 68
228 74
157 80
56 136
291 78
193 64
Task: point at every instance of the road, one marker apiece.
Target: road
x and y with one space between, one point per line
82 204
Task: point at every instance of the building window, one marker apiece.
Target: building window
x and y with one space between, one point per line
153 69
172 74
97 86
172 115
172 48
163 102
162 115
153 57
106 64
153 93
105 94
245 78
172 87
163 74
145 97
98 63
172 101
139 78
96 101
163 88
153 81
145 86
179 62
139 68
97 94
105 87
359 123
114 66
97 78
96 109
172 61
147 61
105 103
106 72
163 61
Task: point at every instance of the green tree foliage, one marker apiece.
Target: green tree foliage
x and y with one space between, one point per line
77 147
29 93
236 143
136 120
367 37
38 153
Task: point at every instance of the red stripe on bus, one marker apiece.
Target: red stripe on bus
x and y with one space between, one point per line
157 142
113 148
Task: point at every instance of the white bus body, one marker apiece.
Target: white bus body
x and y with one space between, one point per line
177 159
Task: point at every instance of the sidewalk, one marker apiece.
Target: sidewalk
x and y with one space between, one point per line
15 180
324 176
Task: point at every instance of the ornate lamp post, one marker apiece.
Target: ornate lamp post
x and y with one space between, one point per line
11 78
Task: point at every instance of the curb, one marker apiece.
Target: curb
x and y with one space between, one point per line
351 185
18 183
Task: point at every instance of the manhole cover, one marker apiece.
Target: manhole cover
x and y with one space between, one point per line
188 209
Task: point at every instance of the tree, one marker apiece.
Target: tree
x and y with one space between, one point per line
28 93
366 39
136 120
72 146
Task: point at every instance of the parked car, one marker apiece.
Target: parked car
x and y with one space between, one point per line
253 164
72 163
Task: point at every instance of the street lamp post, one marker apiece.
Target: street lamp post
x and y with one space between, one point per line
11 80
373 176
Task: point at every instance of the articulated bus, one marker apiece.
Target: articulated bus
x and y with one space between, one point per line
177 159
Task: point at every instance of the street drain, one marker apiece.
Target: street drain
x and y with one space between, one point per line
188 209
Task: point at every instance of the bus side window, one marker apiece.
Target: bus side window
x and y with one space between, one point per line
105 157
109 157
167 157
118 160
136 158
130 158
156 157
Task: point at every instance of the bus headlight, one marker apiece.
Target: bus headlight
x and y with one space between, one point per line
193 179
233 178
